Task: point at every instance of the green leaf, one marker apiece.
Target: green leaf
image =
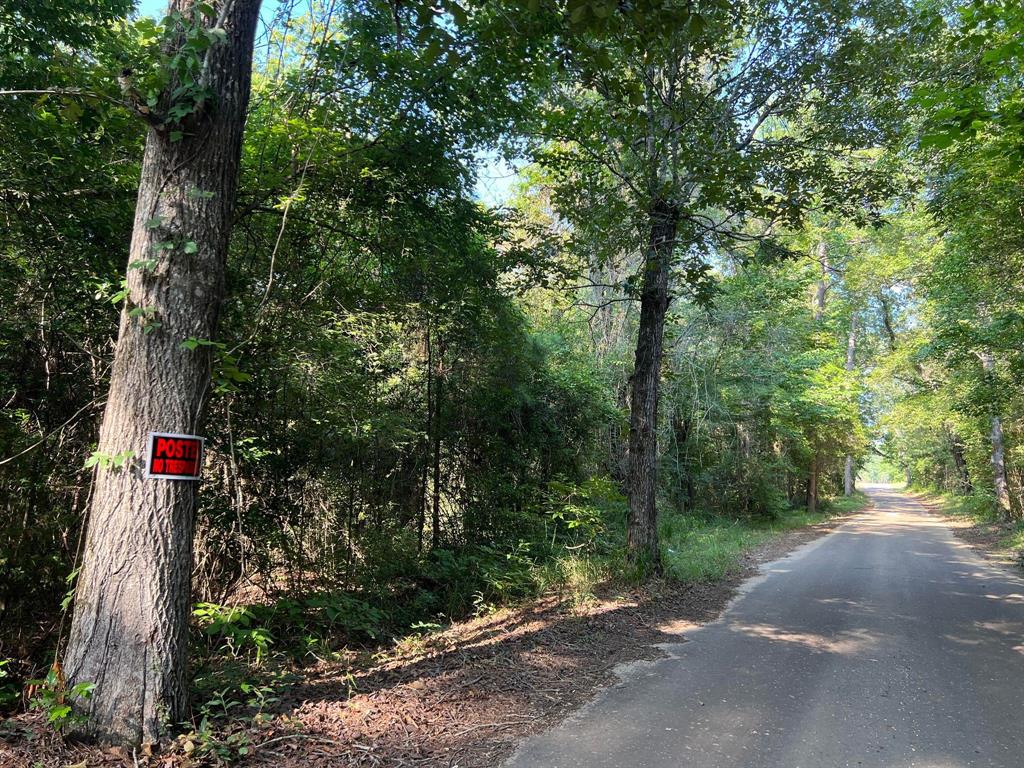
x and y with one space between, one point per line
120 459
71 111
82 690
458 13
433 50
938 140
59 713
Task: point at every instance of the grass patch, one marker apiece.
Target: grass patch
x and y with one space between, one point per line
708 549
1015 540
578 577
981 510
586 558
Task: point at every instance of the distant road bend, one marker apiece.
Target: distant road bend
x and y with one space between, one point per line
886 644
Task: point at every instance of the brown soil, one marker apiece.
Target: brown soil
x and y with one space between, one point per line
462 698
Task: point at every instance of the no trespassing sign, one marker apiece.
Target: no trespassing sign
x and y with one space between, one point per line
174 457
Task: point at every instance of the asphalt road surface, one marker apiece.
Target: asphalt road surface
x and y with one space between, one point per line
888 643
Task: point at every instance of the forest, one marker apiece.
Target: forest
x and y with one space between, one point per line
474 302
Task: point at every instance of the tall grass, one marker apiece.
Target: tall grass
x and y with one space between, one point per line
708 549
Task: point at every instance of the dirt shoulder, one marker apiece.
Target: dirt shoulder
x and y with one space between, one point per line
460 698
988 537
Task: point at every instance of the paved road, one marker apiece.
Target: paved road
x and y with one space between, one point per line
886 644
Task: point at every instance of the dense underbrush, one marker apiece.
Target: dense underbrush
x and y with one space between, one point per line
246 654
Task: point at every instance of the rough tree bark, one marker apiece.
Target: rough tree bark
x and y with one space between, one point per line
851 349
1001 486
435 520
642 537
999 466
425 480
129 632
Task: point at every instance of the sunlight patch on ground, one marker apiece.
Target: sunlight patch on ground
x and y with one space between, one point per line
678 627
1014 597
1003 627
845 643
963 640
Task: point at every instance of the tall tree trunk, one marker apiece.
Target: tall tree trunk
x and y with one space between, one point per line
812 484
848 476
130 627
956 449
820 294
642 537
435 522
1001 487
851 349
349 528
425 490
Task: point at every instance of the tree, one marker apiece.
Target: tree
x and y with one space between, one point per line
704 118
70 174
820 305
130 629
971 137
851 360
1000 485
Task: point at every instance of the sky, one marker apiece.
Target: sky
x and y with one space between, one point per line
495 180
151 7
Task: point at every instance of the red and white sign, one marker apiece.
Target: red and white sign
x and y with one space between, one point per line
174 457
